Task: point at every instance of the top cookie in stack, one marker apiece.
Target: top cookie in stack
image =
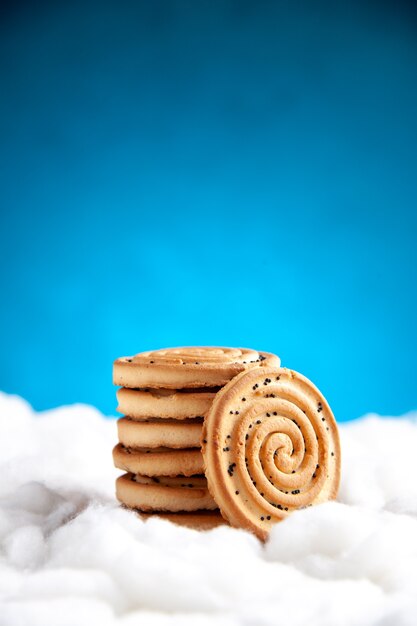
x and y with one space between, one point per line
164 397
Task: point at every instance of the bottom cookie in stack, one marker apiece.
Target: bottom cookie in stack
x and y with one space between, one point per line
183 500
162 480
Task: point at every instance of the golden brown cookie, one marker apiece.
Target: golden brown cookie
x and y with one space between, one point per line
164 493
198 520
178 368
270 446
156 433
159 461
140 403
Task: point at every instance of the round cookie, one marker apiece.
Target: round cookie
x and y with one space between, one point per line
270 446
159 461
156 433
140 403
178 368
164 494
200 520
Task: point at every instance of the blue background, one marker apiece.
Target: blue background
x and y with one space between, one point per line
220 173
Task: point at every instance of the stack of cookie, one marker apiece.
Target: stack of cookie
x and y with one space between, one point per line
164 397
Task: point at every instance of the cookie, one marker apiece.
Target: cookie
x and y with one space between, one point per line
164 402
178 368
164 493
199 520
270 446
159 461
156 433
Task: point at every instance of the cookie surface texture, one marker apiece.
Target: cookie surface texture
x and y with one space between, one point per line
179 368
270 446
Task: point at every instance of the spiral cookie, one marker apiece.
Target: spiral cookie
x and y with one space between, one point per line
159 461
270 446
164 403
154 433
178 368
164 494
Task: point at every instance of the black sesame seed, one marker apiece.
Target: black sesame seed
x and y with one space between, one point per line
231 469
228 437
225 449
243 399
247 437
293 472
231 412
314 475
258 421
250 425
295 492
323 419
277 378
262 494
262 518
268 415
236 412
275 413
286 508
332 453
237 493
268 517
204 440
129 360
150 361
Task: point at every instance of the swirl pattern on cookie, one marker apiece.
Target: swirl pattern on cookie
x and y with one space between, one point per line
154 433
159 461
178 368
270 446
164 493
